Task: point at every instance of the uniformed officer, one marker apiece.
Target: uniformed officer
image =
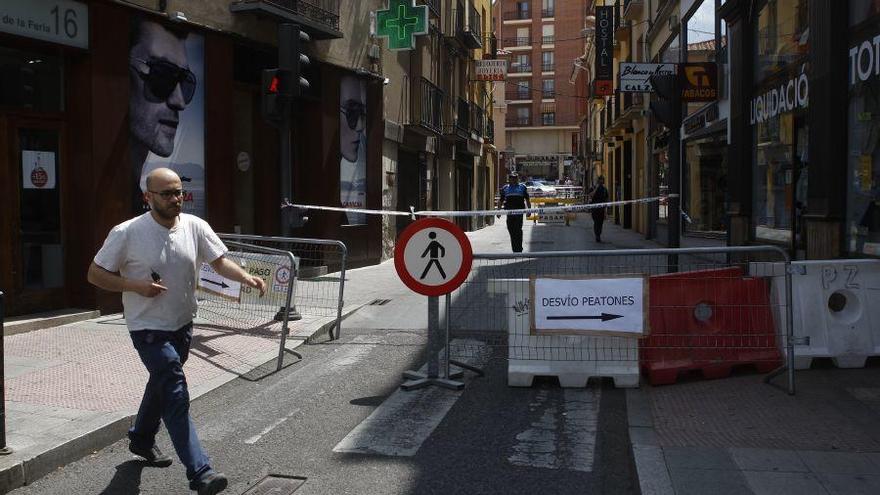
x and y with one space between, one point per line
514 196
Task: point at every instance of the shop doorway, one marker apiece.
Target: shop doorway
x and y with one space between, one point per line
32 174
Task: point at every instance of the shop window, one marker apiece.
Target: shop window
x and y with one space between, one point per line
862 230
704 185
32 81
782 37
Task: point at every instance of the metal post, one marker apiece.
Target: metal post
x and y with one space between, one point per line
4 450
789 327
419 380
285 49
341 293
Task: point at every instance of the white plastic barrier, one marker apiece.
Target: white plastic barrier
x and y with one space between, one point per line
573 359
836 308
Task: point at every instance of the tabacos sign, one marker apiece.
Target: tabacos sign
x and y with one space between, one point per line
788 96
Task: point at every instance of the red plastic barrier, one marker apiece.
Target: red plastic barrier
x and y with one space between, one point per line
708 320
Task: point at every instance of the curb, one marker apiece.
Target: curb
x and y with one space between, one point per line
650 463
29 470
35 322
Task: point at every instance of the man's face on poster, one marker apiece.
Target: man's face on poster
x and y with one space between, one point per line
352 118
161 86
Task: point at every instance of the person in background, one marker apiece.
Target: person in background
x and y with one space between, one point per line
153 260
515 196
598 194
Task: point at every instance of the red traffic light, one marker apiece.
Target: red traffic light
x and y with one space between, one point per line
273 85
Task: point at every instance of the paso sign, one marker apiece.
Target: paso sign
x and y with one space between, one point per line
636 77
590 306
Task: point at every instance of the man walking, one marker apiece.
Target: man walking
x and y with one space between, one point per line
515 196
153 260
599 194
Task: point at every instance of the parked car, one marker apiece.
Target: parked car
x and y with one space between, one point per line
538 189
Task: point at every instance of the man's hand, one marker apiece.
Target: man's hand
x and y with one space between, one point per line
146 288
257 283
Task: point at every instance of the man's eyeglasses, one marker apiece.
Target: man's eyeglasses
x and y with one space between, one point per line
174 193
353 111
163 77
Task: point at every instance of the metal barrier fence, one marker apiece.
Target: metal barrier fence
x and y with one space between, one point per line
320 273
710 309
233 305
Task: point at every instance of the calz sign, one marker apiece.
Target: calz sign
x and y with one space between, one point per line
698 81
636 77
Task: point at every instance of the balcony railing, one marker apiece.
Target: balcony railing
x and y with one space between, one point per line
433 6
546 40
519 69
319 18
548 67
517 42
548 13
427 105
472 35
518 95
517 15
478 119
518 121
463 119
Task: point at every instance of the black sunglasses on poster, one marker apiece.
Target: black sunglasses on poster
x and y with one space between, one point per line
163 77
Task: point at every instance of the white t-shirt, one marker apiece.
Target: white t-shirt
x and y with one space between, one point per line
140 246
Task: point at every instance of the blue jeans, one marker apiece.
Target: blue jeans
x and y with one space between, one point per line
167 397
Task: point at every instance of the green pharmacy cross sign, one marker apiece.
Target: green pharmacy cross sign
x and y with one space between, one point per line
401 22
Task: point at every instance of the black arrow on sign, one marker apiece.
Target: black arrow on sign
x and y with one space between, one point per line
603 317
221 284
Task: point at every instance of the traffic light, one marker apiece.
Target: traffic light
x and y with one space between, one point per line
667 105
274 97
292 41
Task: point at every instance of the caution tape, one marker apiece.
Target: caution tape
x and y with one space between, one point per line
524 211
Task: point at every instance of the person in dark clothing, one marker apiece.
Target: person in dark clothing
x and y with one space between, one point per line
599 194
514 196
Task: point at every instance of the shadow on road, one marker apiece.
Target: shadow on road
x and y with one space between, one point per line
127 478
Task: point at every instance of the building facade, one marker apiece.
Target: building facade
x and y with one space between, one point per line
97 93
544 93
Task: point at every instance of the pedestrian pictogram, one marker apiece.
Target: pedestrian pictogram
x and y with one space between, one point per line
433 256
435 248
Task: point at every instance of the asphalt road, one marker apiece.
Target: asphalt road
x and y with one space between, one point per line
492 438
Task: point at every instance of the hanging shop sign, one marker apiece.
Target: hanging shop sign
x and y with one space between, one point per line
57 21
699 120
491 70
636 77
401 23
698 81
604 51
790 95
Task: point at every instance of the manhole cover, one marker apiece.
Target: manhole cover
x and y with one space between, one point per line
276 484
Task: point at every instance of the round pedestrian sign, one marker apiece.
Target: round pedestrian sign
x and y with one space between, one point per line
433 256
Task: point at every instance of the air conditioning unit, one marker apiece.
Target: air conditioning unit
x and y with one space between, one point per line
674 22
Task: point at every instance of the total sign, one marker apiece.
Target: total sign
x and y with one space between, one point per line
592 306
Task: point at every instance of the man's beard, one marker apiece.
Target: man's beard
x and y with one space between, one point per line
167 212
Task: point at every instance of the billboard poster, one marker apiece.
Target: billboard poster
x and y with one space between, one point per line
166 109
353 147
604 49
